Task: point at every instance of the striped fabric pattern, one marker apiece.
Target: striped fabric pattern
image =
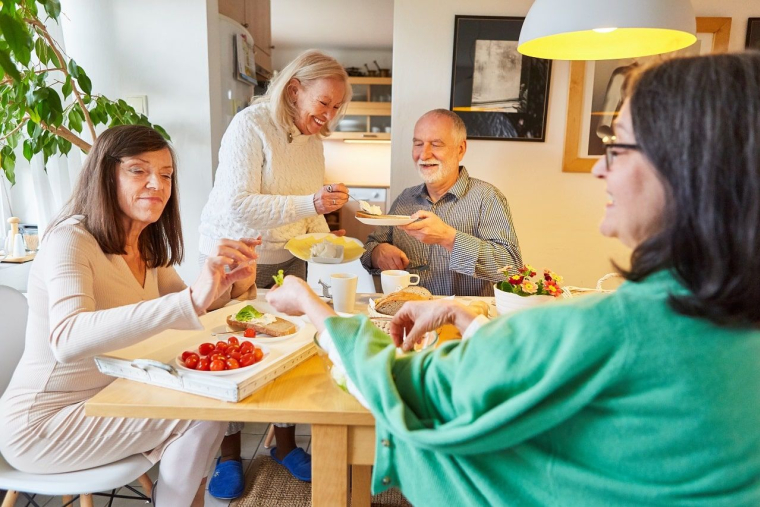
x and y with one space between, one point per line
485 242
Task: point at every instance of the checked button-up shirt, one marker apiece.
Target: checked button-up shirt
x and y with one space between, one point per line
485 241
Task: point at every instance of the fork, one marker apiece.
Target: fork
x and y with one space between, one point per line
329 189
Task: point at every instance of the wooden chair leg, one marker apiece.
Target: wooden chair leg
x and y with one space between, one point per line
270 436
66 499
10 498
85 499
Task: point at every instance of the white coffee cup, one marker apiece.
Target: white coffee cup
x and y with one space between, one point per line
343 290
396 279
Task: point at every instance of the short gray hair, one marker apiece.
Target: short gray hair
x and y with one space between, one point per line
306 68
460 130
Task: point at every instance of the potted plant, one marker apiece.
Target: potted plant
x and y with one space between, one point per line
46 98
525 289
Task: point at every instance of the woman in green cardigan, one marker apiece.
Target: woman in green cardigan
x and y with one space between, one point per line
647 396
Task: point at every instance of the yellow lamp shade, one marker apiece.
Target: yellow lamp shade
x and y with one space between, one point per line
606 29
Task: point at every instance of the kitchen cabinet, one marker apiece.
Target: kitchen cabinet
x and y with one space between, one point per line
256 16
368 116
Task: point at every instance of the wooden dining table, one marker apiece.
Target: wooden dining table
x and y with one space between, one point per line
342 431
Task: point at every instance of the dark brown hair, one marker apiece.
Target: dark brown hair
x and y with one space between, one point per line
95 197
698 121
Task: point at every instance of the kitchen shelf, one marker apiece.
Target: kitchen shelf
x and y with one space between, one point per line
368 116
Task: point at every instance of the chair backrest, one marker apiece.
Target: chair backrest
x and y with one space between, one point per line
13 314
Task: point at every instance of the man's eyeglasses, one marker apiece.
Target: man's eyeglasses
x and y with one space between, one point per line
609 151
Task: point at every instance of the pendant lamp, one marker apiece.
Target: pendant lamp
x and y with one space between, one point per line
606 29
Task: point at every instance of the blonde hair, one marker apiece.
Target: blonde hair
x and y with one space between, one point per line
306 68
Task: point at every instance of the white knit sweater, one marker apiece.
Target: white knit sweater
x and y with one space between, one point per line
264 185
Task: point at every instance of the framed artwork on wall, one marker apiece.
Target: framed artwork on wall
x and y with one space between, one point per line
753 33
499 93
595 94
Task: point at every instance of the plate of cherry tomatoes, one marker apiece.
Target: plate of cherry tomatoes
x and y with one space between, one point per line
234 355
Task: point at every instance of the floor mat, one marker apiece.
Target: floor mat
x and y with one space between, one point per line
271 485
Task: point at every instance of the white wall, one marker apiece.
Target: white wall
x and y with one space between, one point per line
556 214
158 49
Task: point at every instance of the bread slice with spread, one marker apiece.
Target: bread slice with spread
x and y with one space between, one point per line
263 323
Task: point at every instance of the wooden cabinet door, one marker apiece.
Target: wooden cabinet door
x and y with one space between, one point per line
234 9
259 17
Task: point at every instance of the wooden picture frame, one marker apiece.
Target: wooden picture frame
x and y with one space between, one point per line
572 160
499 94
753 34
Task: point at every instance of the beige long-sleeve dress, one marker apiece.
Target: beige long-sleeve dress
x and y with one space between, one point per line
82 303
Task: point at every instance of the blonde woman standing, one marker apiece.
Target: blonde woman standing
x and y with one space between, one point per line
270 183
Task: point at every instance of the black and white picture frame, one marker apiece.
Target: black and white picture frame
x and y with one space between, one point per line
499 93
753 34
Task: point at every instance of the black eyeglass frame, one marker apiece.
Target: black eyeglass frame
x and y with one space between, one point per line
611 146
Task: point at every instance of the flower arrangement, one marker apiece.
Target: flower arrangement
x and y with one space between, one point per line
525 283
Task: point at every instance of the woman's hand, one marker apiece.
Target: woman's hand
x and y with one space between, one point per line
418 317
230 262
330 197
295 297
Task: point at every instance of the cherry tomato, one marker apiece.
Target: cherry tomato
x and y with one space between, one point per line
231 349
217 365
247 360
186 353
206 348
258 354
191 361
246 347
221 346
235 355
232 364
204 364
217 356
232 340
250 333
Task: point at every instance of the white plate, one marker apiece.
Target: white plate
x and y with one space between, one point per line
401 220
241 338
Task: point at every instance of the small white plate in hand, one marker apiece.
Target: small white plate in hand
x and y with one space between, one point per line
391 220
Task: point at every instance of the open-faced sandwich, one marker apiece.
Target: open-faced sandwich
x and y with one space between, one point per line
263 323
393 302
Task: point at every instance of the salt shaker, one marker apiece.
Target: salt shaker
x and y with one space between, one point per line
18 246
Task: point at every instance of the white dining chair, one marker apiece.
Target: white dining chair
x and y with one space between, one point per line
72 485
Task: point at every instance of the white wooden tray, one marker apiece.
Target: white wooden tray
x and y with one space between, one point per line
152 361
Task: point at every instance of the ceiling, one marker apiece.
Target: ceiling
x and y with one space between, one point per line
349 24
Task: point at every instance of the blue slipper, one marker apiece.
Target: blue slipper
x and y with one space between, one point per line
228 481
298 463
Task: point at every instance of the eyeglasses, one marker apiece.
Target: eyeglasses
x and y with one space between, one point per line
609 154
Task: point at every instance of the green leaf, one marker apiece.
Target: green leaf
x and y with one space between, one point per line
8 66
56 108
32 6
28 150
161 131
66 88
18 38
75 119
30 126
64 146
84 83
14 139
41 50
53 8
8 163
73 69
247 314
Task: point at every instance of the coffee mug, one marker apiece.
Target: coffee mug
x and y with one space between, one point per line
343 289
396 279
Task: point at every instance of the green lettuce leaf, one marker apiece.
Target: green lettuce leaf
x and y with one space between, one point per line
247 314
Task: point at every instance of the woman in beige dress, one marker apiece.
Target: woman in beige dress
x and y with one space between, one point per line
103 280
